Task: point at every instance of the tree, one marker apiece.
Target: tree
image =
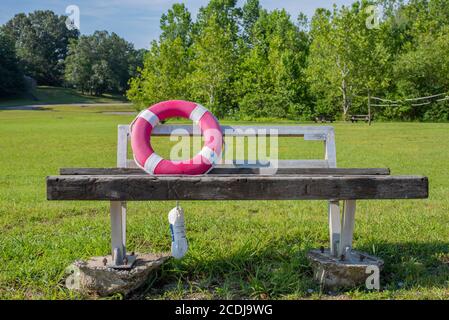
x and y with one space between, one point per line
270 81
253 63
423 72
346 58
167 64
215 56
191 61
177 23
415 34
224 12
250 15
213 66
100 63
162 76
11 77
41 40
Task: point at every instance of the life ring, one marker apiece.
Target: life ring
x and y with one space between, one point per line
152 163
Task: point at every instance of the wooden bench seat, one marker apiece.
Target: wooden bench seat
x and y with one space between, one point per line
340 185
361 117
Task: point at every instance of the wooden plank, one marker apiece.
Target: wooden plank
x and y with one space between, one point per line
295 187
224 170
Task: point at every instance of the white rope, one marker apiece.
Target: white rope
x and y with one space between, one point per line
429 97
395 102
384 100
384 105
421 104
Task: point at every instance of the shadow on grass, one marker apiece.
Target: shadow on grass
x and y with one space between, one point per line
25 108
413 264
281 270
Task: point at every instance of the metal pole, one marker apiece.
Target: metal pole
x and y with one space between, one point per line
369 107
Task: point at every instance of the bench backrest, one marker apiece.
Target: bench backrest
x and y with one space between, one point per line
309 133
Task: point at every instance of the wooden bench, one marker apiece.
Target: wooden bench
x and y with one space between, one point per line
324 119
294 180
361 117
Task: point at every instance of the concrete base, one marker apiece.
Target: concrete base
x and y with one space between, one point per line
93 277
333 273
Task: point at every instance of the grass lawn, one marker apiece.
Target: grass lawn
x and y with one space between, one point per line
237 249
53 95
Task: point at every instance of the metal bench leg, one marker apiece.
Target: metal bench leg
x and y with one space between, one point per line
334 226
118 232
348 226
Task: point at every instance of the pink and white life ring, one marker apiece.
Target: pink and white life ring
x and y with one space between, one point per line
152 163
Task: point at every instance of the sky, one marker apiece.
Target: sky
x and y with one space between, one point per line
138 20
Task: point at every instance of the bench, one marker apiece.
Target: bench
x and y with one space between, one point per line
324 119
361 117
294 180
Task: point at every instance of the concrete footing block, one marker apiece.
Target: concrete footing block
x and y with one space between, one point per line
336 273
93 277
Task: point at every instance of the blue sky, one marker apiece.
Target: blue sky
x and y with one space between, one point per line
138 20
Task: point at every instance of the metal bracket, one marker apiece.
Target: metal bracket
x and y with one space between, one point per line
126 264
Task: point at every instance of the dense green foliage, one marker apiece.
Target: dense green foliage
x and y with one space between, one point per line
101 63
247 62
346 59
52 54
41 39
167 63
250 63
11 77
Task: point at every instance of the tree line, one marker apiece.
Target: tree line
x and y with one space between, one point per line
41 46
247 62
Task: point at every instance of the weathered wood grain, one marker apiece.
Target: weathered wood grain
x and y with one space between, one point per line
294 187
232 170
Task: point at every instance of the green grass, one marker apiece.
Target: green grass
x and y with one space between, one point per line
237 249
54 95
